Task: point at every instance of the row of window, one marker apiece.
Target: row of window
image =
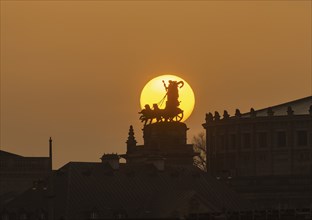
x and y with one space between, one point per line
262 139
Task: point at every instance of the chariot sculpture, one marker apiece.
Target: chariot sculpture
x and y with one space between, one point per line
171 112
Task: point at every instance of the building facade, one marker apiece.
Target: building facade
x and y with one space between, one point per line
18 173
265 154
162 140
158 181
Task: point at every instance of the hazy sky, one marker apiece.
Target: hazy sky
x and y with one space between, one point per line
74 70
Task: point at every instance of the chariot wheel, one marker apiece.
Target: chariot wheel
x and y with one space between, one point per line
178 117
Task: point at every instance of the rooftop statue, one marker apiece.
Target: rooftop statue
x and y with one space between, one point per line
171 112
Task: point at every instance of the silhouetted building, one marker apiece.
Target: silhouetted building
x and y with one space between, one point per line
265 154
162 140
158 181
18 173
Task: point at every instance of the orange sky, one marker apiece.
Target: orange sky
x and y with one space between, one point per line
74 70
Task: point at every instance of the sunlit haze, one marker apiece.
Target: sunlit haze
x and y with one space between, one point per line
75 70
154 92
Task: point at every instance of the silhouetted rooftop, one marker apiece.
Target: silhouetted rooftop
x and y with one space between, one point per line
5 154
138 190
299 106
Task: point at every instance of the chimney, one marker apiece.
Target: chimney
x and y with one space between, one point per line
131 142
270 111
112 160
50 152
290 111
253 113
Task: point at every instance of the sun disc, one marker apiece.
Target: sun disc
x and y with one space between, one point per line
154 92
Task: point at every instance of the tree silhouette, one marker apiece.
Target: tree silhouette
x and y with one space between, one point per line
199 145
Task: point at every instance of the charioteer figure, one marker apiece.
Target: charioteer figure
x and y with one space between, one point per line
173 93
171 111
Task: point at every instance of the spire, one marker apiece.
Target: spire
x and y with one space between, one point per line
131 139
131 142
50 152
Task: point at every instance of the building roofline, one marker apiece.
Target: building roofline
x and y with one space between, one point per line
282 104
6 153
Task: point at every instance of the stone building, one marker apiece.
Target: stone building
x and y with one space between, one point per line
162 140
18 173
266 154
157 181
